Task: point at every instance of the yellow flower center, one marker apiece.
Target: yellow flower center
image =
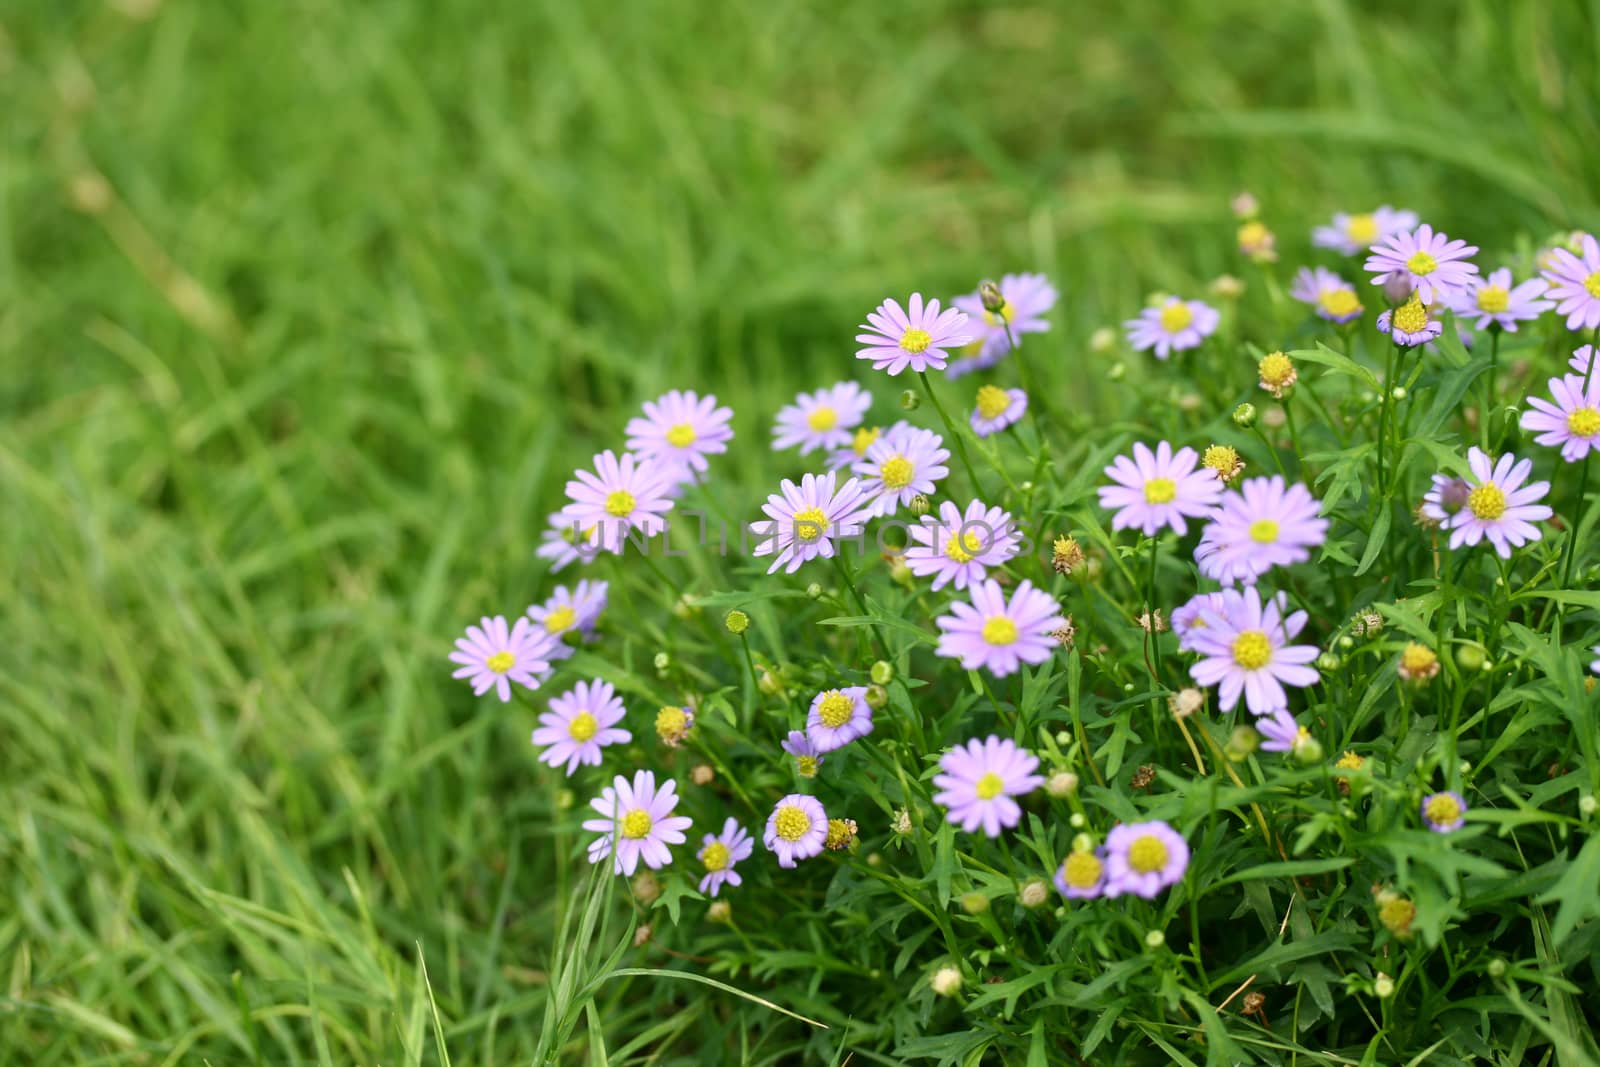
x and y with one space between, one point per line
681 435
1252 650
806 765
1176 316
1584 422
1421 264
999 630
620 503
1220 458
715 856
823 418
835 710
1592 284
1362 229
791 822
1160 491
560 619
1487 501
1412 316
1417 659
1493 299
995 318
1339 302
635 824
990 786
1147 855
1276 369
864 439
1350 762
896 472
1264 531
670 722
809 524
962 549
916 340
1082 870
1253 235
992 401
1443 809
500 662
582 727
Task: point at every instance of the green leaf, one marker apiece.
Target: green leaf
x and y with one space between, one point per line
1577 891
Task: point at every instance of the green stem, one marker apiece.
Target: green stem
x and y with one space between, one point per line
955 435
849 582
1383 420
1487 405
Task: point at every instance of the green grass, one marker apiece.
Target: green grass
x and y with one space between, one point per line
287 399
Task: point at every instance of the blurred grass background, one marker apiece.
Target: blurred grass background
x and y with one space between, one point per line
307 310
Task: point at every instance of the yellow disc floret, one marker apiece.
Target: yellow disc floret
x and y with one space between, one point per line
1591 284
1148 854
999 630
1412 316
1339 303
560 618
1004 315
1276 369
809 524
672 722
1175 317
836 709
1082 870
1264 531
1487 501
990 786
1421 264
715 856
864 439
1160 491
1252 650
582 727
500 662
635 824
620 503
681 436
992 401
1493 299
961 549
822 418
1443 809
1362 229
896 472
1584 422
791 823
915 341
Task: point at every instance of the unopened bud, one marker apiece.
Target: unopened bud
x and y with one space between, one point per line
910 400
814 591
1497 968
882 672
1117 371
1588 805
1244 416
645 887
702 774
1103 340
736 621
946 981
720 911
1155 939
1061 784
974 903
1470 657
662 661
1383 987
989 293
1033 893
877 697
919 505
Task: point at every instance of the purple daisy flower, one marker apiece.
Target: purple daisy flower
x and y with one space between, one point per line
579 724
916 337
804 519
720 852
618 496
1444 813
1245 649
823 419
1028 297
1280 730
1446 496
1495 300
1191 615
796 829
1572 421
1175 326
1143 858
1434 265
636 823
959 548
997 409
493 655
564 543
1329 295
838 717
854 452
679 430
1160 488
1499 507
1349 234
991 634
1575 283
903 463
807 759
1265 523
1411 324
1082 875
571 612
979 780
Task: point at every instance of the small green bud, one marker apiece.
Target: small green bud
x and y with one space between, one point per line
1063 737
1308 750
1497 968
1155 939
1077 821
883 672
910 400
1327 663
919 505
1399 392
877 697
663 661
989 293
1588 805
1241 743
814 591
736 621
1117 371
1470 657
1082 843
974 903
768 682
1244 416
1383 987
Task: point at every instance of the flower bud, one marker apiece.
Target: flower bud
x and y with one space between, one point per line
662 661
974 903
814 591
1103 340
877 697
1117 371
919 505
910 400
1061 784
1327 663
736 621
1308 749
1241 743
1077 821
1383 987
1470 657
768 682
720 911
645 887
1588 805
990 296
1244 416
946 981
1497 968
882 672
1033 893
702 774
1155 939
1398 392
1082 843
